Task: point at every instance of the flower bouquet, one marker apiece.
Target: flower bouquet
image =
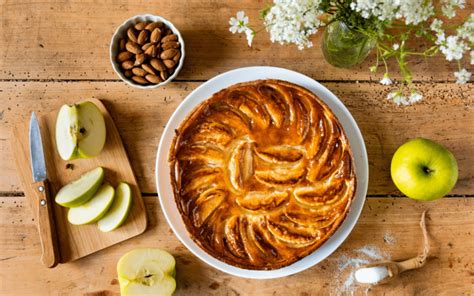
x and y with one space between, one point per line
356 27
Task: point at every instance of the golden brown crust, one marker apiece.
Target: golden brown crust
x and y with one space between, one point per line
262 174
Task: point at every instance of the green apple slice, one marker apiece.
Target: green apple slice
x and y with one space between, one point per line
81 190
66 131
80 131
94 209
146 272
92 132
118 212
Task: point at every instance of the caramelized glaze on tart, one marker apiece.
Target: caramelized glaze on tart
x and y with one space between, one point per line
262 174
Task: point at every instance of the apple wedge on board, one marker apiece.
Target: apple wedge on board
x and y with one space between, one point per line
94 209
80 131
81 190
118 212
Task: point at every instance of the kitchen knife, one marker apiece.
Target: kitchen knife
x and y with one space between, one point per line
46 225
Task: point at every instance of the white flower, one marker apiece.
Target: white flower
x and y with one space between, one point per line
466 31
397 98
415 97
250 34
386 80
453 48
462 76
411 11
436 26
293 21
449 6
239 24
396 46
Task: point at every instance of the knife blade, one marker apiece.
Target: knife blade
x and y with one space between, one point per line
38 165
46 225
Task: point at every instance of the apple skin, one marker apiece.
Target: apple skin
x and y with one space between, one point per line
80 131
64 198
424 170
94 209
119 210
147 271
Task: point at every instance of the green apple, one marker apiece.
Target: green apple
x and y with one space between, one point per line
80 131
146 272
81 190
94 209
118 212
424 170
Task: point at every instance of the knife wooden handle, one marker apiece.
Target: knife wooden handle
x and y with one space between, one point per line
46 225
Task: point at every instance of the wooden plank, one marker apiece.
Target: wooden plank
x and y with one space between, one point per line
76 241
70 40
445 116
388 225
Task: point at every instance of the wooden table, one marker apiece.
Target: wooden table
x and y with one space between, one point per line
53 53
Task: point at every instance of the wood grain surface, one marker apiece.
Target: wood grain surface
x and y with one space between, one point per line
140 115
76 241
70 40
450 224
56 52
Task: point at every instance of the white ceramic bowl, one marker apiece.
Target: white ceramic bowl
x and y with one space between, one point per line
165 191
122 32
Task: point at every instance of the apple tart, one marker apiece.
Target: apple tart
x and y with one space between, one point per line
262 174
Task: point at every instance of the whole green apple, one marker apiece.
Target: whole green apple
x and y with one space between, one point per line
424 170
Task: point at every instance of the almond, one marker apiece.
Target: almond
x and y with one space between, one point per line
123 56
152 26
133 47
169 64
155 35
168 54
139 80
139 59
171 37
158 50
127 65
170 44
122 44
146 46
153 78
149 69
141 25
164 75
142 37
151 51
132 35
128 73
139 72
177 57
158 65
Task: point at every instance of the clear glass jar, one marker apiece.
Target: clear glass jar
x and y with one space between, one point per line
343 47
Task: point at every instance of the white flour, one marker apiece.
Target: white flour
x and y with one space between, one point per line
371 275
348 262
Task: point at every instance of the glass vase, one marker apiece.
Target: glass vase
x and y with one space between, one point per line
343 47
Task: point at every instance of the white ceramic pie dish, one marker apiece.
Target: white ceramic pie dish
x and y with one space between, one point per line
206 90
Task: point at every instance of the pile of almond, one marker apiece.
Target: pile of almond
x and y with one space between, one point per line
149 54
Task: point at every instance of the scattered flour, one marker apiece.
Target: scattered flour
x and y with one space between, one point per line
371 252
348 262
388 238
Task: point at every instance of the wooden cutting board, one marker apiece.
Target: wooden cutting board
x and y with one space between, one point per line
79 241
